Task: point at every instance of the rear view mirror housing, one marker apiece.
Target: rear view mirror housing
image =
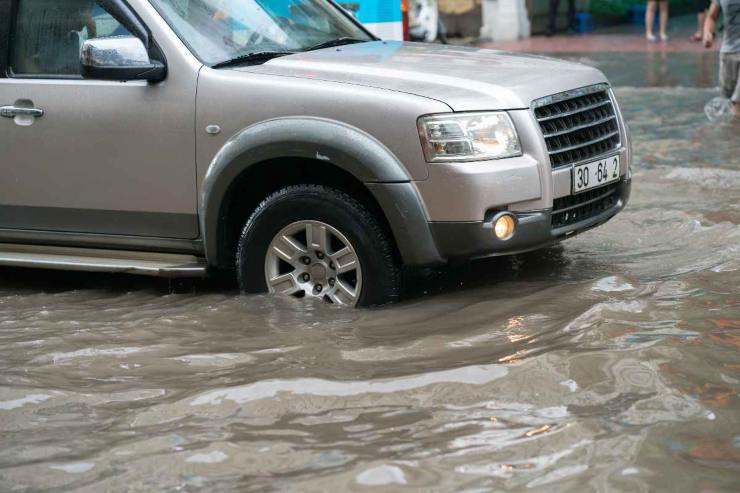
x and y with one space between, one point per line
119 58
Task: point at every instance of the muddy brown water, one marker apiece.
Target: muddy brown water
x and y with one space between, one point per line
608 363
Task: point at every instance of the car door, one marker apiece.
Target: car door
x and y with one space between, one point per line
89 156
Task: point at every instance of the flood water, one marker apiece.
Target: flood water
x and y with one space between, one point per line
610 362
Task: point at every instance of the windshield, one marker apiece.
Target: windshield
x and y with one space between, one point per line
222 30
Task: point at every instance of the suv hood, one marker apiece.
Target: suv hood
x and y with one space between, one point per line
466 79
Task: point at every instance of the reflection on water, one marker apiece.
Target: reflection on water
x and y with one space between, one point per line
609 362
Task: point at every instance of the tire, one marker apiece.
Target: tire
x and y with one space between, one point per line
295 212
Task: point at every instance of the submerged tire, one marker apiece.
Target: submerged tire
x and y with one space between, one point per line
316 241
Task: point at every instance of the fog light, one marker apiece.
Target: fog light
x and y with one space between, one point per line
504 226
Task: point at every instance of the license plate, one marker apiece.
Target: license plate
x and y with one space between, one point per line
592 175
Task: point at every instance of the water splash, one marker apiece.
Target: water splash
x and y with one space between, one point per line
719 110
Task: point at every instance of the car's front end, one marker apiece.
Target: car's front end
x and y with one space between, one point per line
440 152
568 172
516 151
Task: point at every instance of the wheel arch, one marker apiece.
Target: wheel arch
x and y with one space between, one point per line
261 158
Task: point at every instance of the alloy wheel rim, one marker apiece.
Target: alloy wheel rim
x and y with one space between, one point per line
313 259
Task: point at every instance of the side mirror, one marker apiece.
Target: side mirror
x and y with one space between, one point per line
119 58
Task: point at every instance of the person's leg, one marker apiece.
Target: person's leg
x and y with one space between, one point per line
664 20
697 36
735 96
700 17
729 78
700 7
699 21
553 17
572 14
650 19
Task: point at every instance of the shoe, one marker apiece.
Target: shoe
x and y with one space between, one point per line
663 37
651 37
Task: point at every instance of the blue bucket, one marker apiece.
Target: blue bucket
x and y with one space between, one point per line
636 15
584 23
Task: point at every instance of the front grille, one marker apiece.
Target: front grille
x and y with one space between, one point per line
576 208
578 125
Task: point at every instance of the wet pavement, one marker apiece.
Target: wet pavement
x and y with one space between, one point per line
626 57
608 363
650 69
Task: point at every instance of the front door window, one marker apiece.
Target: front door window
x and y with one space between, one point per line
47 35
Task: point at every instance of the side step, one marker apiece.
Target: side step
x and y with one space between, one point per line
97 260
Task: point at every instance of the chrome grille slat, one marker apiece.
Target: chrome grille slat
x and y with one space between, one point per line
574 112
591 142
578 125
581 127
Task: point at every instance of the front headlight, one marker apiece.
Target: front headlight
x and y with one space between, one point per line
468 137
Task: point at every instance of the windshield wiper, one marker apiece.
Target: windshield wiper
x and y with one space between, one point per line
336 42
257 56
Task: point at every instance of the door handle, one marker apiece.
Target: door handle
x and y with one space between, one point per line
13 111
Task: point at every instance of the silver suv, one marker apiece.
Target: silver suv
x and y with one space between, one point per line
282 140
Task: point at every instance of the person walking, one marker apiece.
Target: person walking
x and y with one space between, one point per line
553 16
729 52
701 7
650 19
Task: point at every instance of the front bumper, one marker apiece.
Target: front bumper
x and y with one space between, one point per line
467 240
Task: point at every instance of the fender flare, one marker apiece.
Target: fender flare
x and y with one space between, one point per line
342 145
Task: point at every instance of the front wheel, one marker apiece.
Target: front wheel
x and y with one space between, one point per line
317 242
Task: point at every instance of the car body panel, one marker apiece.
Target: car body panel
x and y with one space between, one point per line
121 151
465 191
466 79
99 147
235 99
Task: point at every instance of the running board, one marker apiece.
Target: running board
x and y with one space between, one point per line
97 260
